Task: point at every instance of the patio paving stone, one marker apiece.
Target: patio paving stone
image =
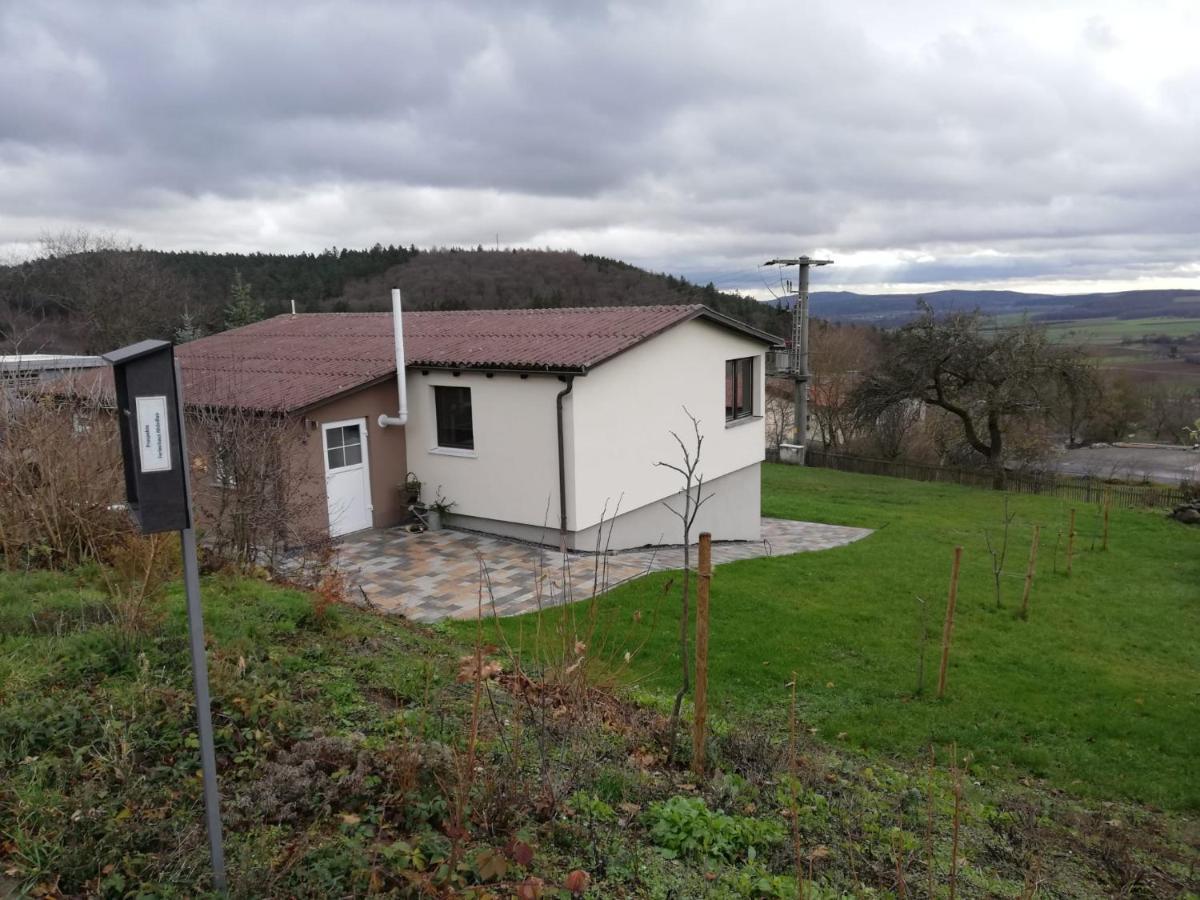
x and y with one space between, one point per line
436 575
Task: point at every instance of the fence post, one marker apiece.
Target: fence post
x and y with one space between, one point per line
948 626
704 571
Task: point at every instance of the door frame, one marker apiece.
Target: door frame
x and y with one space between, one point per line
366 469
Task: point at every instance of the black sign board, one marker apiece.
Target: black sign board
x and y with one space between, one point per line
150 414
150 422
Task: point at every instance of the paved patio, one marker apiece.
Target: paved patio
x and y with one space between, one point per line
438 575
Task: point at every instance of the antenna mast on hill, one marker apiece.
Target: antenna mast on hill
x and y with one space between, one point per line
798 355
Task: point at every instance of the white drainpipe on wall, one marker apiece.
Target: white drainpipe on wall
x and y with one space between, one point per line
401 382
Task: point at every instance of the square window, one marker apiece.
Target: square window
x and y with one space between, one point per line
337 458
454 426
353 454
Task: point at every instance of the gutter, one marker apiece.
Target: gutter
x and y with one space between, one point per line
562 463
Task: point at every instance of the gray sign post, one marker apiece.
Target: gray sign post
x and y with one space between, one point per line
158 489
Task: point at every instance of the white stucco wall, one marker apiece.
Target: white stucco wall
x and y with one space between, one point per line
616 426
512 474
623 410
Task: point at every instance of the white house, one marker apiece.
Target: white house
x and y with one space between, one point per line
534 424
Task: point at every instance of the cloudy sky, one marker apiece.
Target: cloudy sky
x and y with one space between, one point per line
1032 145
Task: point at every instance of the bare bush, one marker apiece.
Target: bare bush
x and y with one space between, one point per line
60 477
255 496
136 571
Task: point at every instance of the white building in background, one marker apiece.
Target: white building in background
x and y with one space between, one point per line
30 369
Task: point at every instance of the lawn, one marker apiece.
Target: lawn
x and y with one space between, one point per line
1109 330
348 766
1098 691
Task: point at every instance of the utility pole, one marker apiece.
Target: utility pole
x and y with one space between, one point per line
798 358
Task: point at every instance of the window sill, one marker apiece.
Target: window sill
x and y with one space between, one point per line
454 451
744 420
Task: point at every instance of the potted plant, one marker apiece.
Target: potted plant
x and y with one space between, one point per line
436 511
410 491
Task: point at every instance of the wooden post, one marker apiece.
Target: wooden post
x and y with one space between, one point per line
948 627
1107 505
1033 548
1070 541
704 572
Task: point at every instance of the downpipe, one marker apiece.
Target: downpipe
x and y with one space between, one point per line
401 381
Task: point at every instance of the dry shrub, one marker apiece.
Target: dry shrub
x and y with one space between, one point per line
60 479
317 777
136 571
255 496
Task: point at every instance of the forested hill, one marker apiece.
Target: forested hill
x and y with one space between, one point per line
95 300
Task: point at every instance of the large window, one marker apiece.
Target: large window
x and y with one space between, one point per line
454 428
739 388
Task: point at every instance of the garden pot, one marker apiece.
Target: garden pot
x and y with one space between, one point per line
433 519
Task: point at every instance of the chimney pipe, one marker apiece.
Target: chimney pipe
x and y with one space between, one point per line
401 382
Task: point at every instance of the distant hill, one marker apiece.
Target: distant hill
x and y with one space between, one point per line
888 310
94 301
518 279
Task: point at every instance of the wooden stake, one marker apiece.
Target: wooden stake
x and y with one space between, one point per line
1070 542
704 571
1107 504
958 793
1033 548
948 627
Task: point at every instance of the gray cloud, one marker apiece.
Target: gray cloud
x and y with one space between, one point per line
944 142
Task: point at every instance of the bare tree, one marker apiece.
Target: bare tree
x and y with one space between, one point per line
892 427
840 355
693 498
780 413
988 380
117 292
1078 393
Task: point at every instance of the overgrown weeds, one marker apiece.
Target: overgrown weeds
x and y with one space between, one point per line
369 756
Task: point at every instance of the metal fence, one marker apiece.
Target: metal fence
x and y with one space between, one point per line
1081 490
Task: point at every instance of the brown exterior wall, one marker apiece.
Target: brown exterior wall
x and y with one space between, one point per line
386 450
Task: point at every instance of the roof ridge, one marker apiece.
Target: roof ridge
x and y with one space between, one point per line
516 310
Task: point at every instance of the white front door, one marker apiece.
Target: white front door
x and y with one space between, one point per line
347 476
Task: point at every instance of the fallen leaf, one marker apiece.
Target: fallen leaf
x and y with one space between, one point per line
577 882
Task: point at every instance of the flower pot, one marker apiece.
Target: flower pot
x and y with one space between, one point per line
433 519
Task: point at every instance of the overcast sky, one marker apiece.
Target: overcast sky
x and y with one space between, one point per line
925 144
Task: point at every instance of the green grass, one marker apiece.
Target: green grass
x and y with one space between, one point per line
1098 692
341 742
1109 330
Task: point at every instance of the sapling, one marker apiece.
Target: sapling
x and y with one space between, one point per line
693 499
948 626
998 555
1029 571
921 646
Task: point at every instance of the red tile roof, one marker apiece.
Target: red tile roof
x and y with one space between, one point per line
292 362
